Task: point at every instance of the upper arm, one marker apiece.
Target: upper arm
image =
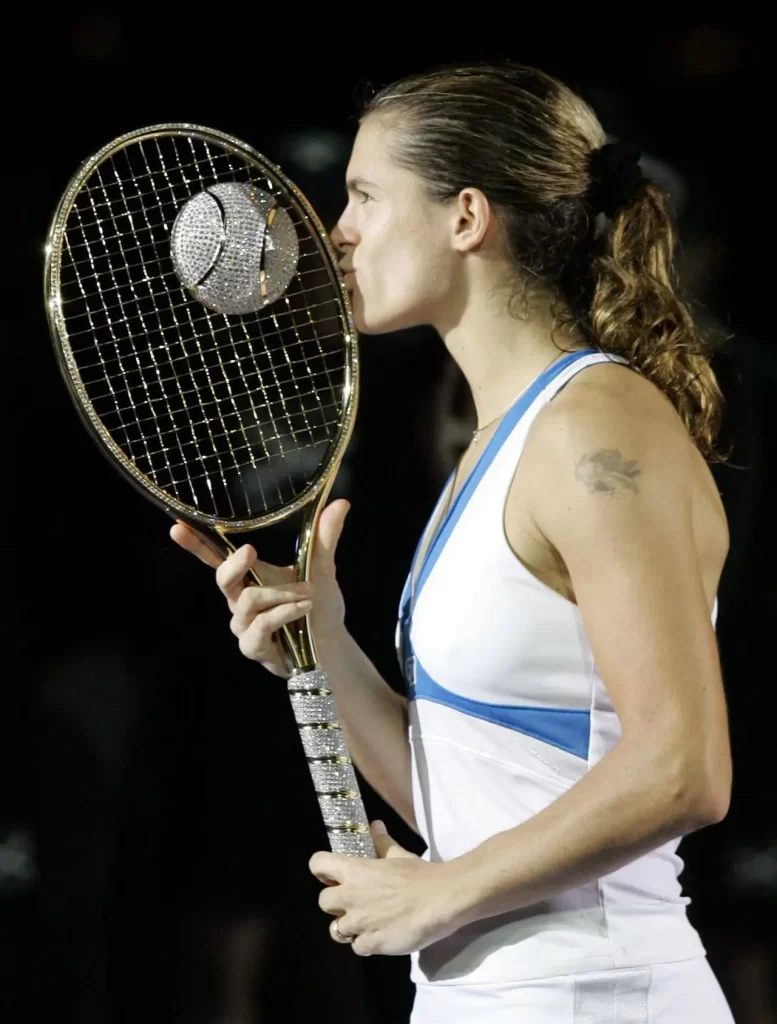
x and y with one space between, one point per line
610 493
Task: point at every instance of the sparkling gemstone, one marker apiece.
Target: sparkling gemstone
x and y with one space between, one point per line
313 707
354 844
339 811
332 778
234 248
323 742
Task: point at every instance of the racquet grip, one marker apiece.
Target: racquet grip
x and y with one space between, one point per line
330 764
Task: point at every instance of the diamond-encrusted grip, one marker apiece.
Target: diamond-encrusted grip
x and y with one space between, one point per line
315 680
355 844
322 741
342 811
313 707
330 764
330 776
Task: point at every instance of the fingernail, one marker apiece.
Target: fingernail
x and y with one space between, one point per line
380 828
304 606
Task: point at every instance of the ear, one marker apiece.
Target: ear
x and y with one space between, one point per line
474 220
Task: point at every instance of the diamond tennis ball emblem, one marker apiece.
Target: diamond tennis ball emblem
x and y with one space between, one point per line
234 248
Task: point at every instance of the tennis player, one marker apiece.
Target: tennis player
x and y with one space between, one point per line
564 723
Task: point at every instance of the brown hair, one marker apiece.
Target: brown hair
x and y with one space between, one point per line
526 140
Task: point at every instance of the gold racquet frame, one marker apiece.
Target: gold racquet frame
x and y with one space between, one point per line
300 643
312 701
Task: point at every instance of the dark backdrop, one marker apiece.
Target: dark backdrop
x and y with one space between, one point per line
138 879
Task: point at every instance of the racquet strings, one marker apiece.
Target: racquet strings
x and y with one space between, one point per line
233 416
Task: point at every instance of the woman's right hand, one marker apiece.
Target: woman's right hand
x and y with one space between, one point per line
259 612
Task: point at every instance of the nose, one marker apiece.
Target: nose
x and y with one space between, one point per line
338 238
345 235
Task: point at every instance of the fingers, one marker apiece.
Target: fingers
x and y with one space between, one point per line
257 641
330 528
329 868
363 945
341 929
254 600
258 612
331 900
345 925
337 929
239 562
231 573
193 542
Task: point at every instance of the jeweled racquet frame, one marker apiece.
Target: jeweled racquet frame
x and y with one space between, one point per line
311 698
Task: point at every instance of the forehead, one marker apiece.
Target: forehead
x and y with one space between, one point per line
372 166
370 156
371 140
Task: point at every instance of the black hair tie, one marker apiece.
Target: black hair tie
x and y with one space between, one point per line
615 175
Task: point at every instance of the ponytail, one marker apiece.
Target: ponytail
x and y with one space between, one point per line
636 312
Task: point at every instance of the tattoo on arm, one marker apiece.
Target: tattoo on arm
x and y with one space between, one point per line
607 472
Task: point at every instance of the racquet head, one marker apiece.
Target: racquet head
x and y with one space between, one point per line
201 324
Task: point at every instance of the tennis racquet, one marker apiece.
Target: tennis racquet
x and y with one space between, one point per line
201 325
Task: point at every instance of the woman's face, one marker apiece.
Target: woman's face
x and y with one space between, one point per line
396 242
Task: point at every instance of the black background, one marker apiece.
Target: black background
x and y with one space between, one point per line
145 766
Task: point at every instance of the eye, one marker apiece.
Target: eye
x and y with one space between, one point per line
365 198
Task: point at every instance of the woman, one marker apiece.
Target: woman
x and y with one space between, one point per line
567 722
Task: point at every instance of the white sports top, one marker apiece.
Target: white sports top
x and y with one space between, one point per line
507 711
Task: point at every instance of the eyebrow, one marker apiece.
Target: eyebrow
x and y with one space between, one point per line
356 183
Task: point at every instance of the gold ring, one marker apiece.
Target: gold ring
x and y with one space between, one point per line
337 935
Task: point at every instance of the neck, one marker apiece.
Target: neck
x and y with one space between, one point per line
501 355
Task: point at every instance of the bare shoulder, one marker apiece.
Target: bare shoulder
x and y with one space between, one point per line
611 448
608 393
611 424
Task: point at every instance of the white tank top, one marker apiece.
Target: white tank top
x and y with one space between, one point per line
507 711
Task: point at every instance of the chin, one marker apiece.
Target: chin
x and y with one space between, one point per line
367 322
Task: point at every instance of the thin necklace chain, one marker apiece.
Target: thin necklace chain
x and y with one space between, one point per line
476 433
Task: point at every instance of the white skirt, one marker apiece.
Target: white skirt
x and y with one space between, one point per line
684 992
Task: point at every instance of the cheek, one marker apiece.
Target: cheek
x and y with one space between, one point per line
398 291
402 268
421 274
402 271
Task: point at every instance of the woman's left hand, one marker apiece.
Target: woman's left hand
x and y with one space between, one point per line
395 904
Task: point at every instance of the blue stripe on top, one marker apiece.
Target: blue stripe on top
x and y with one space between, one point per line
406 589
565 728
511 418
443 531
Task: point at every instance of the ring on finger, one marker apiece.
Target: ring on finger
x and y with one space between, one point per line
337 935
